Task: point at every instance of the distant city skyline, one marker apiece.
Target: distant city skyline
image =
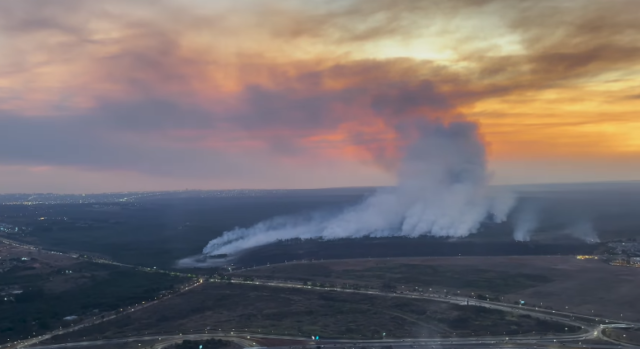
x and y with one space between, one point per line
144 96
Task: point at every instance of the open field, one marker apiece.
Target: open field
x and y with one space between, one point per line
405 275
307 312
561 282
20 267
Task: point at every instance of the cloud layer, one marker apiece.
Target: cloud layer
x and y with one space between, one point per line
225 94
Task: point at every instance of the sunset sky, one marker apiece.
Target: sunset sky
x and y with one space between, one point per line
151 95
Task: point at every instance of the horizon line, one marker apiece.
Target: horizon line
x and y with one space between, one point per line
323 188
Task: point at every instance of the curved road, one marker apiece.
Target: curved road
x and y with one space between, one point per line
245 339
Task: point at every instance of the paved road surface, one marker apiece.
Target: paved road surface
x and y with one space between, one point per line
246 340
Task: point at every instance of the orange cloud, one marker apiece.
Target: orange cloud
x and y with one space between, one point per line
311 81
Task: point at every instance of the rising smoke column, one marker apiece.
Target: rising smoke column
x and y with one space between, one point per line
584 231
442 190
525 223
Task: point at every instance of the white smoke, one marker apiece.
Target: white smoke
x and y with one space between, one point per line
526 221
442 190
583 230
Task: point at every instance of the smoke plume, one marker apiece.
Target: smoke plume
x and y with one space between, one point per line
583 230
442 190
526 221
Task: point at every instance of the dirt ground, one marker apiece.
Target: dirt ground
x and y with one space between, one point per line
583 286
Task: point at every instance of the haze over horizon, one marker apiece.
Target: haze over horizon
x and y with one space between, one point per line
166 95
517 187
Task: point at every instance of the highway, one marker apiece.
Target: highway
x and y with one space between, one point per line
247 340
591 326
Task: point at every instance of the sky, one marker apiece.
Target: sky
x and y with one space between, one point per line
119 95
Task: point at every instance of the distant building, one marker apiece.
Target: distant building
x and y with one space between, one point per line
7 228
587 257
619 260
634 260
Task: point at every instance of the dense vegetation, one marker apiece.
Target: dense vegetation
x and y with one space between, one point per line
105 288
